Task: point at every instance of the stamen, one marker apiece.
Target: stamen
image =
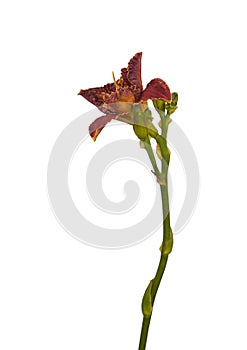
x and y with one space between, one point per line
113 75
115 82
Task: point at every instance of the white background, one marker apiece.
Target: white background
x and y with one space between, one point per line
57 293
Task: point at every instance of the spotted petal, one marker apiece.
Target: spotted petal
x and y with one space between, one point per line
157 89
131 76
100 95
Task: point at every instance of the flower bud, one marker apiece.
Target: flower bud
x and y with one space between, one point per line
172 106
139 119
159 105
140 131
162 105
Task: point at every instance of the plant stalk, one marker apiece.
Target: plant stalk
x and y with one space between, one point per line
166 248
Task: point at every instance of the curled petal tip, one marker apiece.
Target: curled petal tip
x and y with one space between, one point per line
94 136
94 133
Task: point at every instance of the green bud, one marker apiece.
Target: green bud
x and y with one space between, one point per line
139 125
159 105
172 106
174 98
162 105
140 131
142 122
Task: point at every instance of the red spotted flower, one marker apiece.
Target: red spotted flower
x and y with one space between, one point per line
116 99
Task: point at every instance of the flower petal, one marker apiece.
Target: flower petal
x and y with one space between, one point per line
131 76
96 126
99 96
124 78
134 70
99 124
157 89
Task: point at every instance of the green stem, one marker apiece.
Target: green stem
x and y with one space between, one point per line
156 283
155 286
151 156
167 233
165 121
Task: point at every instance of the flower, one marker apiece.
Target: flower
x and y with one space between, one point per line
115 99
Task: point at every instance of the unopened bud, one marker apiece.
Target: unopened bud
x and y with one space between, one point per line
140 131
172 106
